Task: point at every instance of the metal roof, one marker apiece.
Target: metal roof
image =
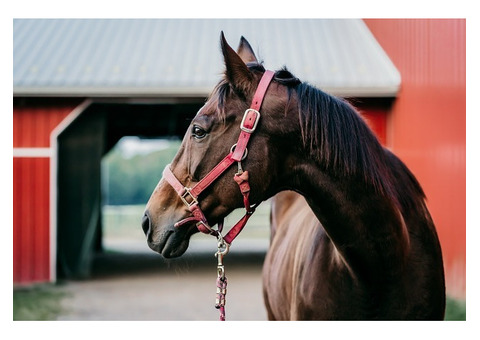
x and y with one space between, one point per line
182 57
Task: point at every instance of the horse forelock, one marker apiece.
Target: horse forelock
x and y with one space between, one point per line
219 95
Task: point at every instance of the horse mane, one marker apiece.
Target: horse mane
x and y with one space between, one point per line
337 137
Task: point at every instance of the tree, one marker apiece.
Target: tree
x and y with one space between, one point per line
131 180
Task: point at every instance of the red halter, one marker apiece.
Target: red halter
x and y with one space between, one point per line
238 152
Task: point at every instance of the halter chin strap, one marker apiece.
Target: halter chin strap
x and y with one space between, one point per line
238 152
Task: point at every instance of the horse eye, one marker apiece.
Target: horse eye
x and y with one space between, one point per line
198 132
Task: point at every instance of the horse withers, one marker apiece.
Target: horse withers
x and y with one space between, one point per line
359 244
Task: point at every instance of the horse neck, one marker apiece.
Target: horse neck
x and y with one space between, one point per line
366 227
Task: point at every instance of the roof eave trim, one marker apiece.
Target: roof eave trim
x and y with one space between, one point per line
110 92
373 91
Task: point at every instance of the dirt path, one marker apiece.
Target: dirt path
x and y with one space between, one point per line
146 287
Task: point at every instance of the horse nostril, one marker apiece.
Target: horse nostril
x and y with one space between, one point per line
146 223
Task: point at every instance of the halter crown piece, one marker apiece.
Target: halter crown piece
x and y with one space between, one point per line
189 196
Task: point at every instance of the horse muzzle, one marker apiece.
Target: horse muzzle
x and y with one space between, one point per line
164 238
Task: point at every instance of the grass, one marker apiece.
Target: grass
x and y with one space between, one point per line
42 302
456 310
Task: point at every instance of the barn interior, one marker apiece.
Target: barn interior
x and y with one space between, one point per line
81 147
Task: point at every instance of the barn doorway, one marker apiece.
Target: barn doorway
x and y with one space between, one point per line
80 148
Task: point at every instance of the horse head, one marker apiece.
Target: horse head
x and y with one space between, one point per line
211 136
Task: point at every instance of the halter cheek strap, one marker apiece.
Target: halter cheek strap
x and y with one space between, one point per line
238 152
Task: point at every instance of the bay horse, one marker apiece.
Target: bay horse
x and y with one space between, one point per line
351 236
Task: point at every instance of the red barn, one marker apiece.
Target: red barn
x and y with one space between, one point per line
427 123
80 85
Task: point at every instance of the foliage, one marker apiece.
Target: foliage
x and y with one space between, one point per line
132 180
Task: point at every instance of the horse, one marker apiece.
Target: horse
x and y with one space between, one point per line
351 235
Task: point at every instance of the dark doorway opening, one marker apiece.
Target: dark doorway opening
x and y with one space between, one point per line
81 146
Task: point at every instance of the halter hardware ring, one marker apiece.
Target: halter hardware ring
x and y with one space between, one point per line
223 249
245 153
184 196
206 226
255 123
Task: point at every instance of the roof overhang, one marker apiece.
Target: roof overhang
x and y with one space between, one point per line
182 58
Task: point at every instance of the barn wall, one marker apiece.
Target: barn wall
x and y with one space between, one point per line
32 125
427 125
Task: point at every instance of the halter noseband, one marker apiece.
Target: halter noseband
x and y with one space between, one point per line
238 152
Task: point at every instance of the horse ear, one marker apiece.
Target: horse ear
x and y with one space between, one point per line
245 51
237 72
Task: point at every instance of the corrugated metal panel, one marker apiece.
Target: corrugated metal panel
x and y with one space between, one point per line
32 125
181 57
436 52
428 123
31 232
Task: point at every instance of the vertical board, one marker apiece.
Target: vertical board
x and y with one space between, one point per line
427 126
31 221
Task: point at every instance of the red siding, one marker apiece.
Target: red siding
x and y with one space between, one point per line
377 120
32 126
427 126
31 230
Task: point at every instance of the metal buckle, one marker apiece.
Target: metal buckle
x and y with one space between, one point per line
183 197
242 126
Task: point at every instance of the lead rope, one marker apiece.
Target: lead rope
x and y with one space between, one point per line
223 246
222 250
189 196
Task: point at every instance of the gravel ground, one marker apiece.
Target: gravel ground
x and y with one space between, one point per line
144 286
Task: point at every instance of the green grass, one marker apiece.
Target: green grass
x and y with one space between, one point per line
456 310
41 302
